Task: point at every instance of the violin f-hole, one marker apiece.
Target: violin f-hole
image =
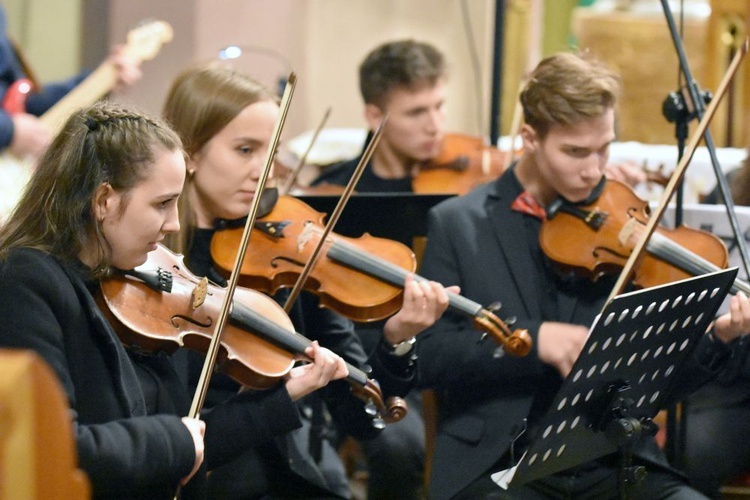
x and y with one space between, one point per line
190 320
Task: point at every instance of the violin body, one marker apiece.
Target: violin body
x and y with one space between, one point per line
325 189
282 242
594 241
361 278
464 163
162 306
153 320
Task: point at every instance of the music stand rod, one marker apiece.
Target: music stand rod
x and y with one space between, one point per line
497 73
700 109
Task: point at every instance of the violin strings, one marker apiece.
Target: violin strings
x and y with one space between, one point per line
684 259
363 261
286 339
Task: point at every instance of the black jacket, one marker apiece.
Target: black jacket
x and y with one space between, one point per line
125 407
476 241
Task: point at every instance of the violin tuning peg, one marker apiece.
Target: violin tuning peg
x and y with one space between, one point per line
510 322
495 307
371 409
378 423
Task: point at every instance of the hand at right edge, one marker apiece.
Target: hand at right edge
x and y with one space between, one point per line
559 345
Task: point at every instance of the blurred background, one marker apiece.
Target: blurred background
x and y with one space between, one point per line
324 41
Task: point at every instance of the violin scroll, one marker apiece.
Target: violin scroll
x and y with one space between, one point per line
393 410
516 343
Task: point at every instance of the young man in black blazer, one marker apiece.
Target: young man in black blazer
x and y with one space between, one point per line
487 243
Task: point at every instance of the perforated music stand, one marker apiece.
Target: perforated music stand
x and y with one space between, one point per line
622 376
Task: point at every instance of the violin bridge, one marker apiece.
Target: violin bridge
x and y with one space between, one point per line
199 293
627 231
304 237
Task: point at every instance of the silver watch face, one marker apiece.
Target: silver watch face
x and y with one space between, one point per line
403 348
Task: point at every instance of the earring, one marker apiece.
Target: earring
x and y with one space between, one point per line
191 173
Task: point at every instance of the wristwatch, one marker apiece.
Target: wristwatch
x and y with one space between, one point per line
400 349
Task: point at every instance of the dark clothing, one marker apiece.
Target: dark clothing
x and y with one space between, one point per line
125 406
395 458
601 484
368 183
492 252
39 100
715 197
286 467
716 419
716 424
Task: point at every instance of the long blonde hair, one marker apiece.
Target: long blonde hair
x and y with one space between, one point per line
200 103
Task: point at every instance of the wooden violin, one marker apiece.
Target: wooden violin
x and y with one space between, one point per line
597 238
162 306
360 278
464 162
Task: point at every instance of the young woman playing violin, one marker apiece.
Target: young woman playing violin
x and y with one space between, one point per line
226 121
103 196
488 243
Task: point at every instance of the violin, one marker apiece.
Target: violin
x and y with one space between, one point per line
360 278
325 189
463 163
160 305
596 238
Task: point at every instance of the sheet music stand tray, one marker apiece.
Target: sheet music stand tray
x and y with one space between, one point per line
622 376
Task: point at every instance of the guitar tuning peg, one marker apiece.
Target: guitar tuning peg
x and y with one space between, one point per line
495 307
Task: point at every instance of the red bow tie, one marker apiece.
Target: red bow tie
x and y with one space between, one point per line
526 204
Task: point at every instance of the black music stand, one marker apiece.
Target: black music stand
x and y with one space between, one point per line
622 378
396 216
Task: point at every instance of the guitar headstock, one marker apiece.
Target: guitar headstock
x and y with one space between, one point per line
145 41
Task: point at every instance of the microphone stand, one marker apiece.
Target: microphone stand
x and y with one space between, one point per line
497 72
698 101
676 110
676 107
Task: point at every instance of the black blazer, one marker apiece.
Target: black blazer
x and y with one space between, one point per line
130 440
477 242
285 461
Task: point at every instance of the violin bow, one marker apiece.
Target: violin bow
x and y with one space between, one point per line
213 349
333 219
677 175
292 177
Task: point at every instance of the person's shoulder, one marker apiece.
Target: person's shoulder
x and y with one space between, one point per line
474 198
30 263
26 255
339 173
